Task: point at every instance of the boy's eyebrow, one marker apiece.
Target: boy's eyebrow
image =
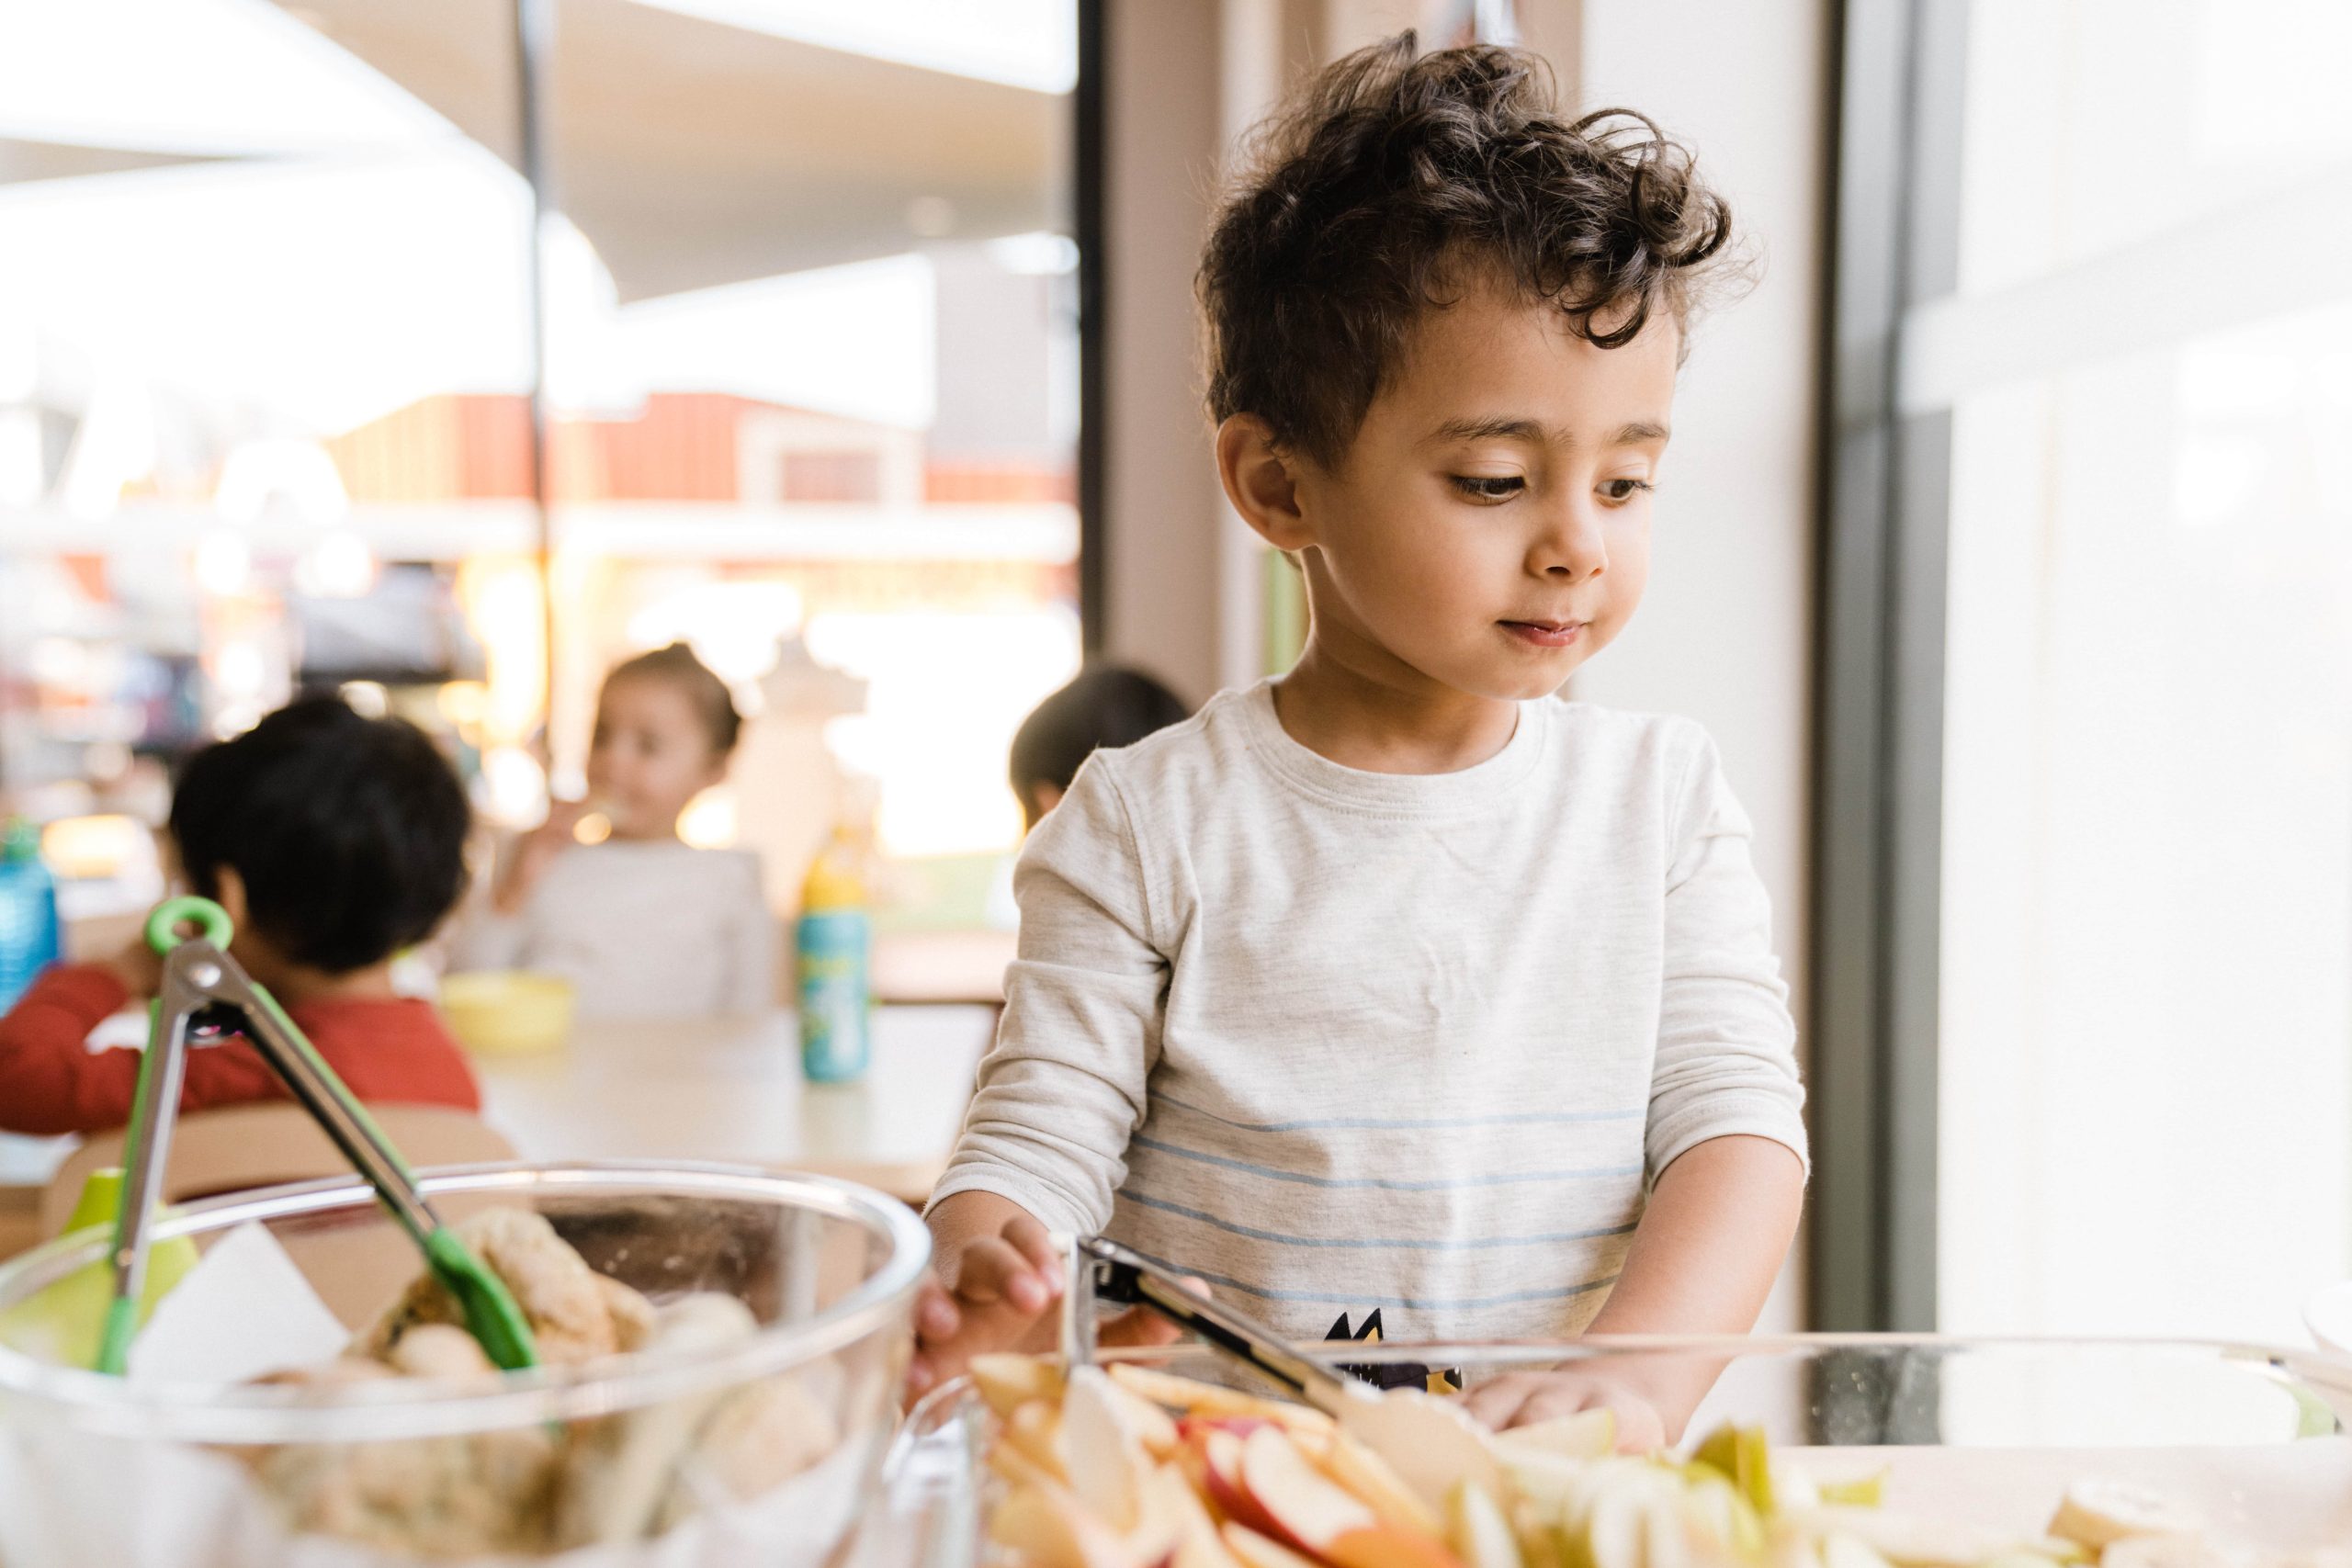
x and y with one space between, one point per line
1498 427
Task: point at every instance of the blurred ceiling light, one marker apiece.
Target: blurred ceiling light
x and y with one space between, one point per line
224 563
239 669
1035 254
462 703
366 698
297 473
514 787
593 828
114 445
339 566
708 822
930 216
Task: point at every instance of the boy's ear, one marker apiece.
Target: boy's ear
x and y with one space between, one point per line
1258 481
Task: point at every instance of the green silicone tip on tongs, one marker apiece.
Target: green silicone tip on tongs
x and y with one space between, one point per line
200 974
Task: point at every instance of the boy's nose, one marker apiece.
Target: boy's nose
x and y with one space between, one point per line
1572 544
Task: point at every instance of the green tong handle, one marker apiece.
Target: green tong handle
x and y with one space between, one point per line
491 1314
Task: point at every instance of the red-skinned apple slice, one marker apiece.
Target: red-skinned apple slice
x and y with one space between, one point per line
1220 1454
1317 1516
1307 1511
1195 1398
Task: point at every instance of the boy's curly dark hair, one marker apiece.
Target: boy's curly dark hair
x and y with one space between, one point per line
1390 183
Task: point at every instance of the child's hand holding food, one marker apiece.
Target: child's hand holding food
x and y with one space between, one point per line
1523 1399
999 1279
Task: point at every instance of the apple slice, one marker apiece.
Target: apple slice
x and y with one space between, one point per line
1257 1550
1376 1483
1035 1429
1588 1433
1047 1528
1480 1534
1318 1516
1905 1539
1307 1511
1218 1452
2100 1513
1196 1398
1150 1425
1008 1383
1744 1457
1104 1458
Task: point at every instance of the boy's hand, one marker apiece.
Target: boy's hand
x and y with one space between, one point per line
1522 1399
1006 1287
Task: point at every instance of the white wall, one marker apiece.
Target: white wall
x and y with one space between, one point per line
1725 635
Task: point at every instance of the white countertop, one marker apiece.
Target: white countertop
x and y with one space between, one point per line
732 1089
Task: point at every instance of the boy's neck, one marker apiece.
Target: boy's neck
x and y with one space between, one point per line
1364 708
296 984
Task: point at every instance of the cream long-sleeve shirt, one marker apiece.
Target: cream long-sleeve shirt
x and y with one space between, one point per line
1344 1043
642 929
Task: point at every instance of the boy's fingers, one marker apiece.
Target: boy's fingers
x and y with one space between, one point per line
935 1313
1137 1326
1497 1401
1035 1245
993 1271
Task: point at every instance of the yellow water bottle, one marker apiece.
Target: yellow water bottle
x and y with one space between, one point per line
834 942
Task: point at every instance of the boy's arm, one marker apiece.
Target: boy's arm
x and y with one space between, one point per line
50 1082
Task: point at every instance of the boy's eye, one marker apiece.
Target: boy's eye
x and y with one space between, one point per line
1624 489
1489 487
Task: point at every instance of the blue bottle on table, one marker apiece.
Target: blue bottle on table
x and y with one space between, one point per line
833 943
29 931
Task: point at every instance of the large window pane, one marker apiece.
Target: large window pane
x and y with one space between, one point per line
2147 944
2092 124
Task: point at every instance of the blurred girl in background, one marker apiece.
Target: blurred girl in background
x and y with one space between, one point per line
642 924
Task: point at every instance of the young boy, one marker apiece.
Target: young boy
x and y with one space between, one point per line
331 841
1395 986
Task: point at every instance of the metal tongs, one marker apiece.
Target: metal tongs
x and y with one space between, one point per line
199 977
1433 1443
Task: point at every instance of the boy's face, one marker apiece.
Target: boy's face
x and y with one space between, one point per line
1488 529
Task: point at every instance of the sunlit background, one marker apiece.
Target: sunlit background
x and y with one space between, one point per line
810 359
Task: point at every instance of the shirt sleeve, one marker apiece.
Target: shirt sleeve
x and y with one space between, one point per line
751 985
1726 1048
1064 1087
51 1082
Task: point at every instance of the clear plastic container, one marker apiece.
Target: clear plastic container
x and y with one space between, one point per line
94 1469
1984 1431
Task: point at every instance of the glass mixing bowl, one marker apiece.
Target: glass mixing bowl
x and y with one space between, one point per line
97 1469
1976 1431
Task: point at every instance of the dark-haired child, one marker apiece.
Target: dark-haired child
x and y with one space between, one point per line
1104 707
1396 991
332 841
641 923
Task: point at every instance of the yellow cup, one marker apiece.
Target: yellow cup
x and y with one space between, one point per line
501 1012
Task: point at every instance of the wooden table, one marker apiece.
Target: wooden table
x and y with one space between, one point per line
732 1089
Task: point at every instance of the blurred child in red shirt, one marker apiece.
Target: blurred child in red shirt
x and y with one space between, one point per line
332 841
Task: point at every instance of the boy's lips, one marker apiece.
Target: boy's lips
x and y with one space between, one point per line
1545 634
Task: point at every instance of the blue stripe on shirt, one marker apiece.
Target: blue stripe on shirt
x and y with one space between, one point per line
1402 1304
1468 1244
1381 1183
1428 1124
